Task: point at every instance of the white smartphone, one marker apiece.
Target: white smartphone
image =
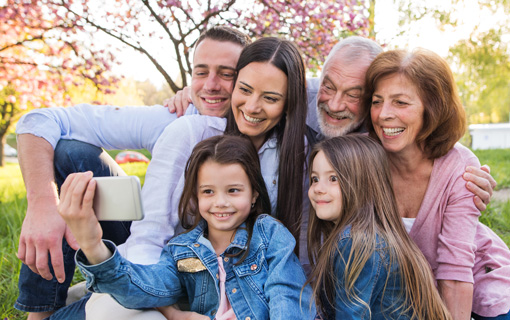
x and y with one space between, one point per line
118 199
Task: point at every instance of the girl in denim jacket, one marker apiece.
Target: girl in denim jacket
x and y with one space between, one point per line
365 266
232 263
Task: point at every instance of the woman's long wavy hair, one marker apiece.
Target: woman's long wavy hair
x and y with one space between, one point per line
290 131
224 150
369 207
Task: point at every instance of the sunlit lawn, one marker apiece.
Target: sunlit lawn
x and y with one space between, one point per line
13 205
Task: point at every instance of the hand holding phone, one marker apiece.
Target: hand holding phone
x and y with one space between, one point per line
118 199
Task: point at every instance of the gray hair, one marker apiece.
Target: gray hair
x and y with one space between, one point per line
353 48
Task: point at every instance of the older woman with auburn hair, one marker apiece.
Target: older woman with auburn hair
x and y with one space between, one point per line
416 113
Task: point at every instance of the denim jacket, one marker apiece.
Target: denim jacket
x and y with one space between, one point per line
380 292
266 285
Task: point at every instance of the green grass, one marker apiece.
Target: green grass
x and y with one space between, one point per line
499 162
12 208
13 205
497 217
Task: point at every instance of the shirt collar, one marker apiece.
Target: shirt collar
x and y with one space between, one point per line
196 235
270 143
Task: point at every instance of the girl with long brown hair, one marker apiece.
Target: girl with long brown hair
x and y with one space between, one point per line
364 263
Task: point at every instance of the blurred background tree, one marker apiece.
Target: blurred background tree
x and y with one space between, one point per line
38 60
480 60
173 26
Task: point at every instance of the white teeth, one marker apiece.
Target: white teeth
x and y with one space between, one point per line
252 120
393 131
213 101
221 215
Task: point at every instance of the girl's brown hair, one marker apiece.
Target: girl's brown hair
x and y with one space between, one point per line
226 150
369 207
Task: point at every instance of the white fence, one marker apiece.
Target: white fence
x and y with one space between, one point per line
490 136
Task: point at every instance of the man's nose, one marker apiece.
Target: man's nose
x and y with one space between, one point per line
336 103
212 83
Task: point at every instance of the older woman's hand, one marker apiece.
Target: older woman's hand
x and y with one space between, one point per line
481 183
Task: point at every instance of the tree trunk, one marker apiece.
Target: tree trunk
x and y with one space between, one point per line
2 142
371 19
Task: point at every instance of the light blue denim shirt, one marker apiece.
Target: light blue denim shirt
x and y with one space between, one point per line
265 285
109 127
378 284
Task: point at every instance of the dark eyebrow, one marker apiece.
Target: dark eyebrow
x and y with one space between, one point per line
266 92
227 67
203 65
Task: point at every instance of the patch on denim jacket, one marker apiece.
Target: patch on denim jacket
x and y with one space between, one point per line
190 265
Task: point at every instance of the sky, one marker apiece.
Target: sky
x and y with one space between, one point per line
424 34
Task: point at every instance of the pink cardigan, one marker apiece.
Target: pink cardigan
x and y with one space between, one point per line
456 245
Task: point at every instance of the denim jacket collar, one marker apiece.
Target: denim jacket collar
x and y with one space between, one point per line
196 235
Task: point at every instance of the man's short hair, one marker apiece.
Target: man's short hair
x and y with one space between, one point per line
224 33
353 48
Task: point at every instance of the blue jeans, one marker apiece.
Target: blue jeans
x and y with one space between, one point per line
35 293
500 317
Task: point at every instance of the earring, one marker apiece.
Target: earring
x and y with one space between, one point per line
253 205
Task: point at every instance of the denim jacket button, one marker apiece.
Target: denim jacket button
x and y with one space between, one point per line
226 259
253 267
234 290
247 318
196 245
213 312
217 276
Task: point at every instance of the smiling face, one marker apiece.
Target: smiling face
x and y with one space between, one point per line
339 97
214 66
397 114
324 193
225 197
258 100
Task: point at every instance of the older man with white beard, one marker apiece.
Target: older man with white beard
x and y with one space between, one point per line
341 86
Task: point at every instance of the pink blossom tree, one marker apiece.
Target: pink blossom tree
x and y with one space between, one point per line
172 26
39 58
